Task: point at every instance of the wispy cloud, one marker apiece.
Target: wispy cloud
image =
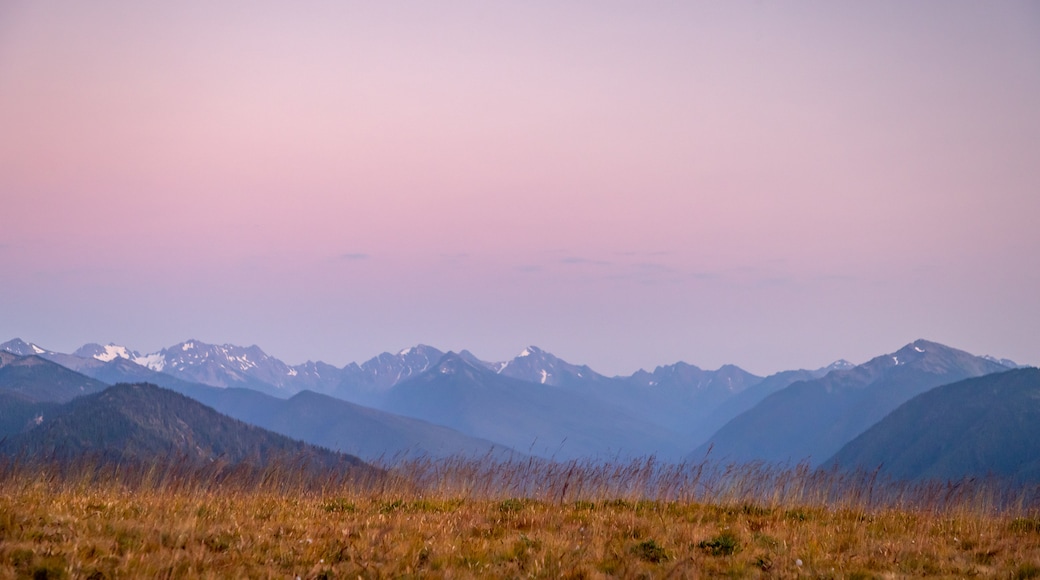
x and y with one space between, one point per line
576 260
654 254
354 256
652 267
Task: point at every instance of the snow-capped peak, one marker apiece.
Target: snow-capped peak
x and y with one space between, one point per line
112 351
1002 361
155 361
840 364
21 348
106 353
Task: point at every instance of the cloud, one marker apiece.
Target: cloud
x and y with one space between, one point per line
652 267
654 254
354 256
574 260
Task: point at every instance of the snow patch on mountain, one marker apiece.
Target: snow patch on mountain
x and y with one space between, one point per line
21 348
111 352
155 361
1006 362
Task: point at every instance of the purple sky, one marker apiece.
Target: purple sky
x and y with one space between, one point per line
774 185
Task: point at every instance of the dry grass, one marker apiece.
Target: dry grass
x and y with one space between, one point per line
516 519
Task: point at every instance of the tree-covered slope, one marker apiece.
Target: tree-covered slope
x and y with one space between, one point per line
143 422
39 379
988 425
812 420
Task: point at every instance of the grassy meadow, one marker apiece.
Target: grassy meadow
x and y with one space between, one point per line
526 518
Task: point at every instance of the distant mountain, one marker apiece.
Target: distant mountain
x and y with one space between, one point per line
369 382
679 397
988 425
39 379
329 422
812 419
250 367
711 421
21 348
1004 362
530 417
120 370
221 366
308 416
680 400
752 395
113 370
106 353
143 422
537 366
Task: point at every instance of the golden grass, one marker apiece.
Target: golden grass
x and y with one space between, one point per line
528 518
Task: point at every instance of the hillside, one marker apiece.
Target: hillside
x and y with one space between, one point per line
39 379
814 419
529 417
983 426
307 416
144 422
329 422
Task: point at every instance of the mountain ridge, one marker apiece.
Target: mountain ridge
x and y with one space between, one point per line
811 419
986 426
141 422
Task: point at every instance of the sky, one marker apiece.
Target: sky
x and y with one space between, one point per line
769 184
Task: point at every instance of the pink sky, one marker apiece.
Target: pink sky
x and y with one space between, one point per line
774 185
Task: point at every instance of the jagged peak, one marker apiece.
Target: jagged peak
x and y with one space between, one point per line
451 363
22 348
420 348
1003 362
730 368
530 351
839 365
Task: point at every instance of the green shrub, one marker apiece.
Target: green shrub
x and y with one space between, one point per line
511 505
724 544
339 505
650 551
1027 570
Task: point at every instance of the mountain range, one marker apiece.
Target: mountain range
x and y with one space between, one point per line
425 402
812 419
39 379
141 422
984 426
